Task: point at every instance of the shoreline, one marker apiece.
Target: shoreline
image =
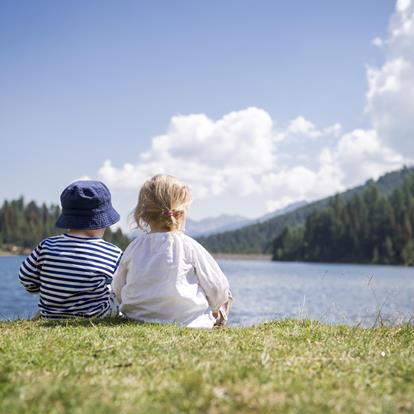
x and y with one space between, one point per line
14 251
4 253
18 251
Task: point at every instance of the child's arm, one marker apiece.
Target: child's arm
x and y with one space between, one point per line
119 279
29 273
120 276
211 278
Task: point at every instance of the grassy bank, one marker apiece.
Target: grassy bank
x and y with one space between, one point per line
121 367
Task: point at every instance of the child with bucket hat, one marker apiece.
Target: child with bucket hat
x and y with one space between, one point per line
73 271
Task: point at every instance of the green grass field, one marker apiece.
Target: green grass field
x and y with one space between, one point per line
122 367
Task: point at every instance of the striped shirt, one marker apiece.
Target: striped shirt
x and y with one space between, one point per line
73 275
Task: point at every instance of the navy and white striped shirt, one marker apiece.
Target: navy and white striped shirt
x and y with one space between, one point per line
72 274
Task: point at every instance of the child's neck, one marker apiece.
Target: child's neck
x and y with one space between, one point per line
158 228
87 233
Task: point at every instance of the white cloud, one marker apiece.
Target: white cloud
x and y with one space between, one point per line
333 130
378 42
239 138
83 178
390 95
403 5
212 156
301 126
302 183
279 203
360 155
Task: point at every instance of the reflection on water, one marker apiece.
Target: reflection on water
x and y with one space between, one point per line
350 294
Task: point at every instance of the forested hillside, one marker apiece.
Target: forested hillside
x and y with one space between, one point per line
258 238
369 228
25 225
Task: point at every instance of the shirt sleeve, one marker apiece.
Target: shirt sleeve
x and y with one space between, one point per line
29 273
211 278
119 279
117 261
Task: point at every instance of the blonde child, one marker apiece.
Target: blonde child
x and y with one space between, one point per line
165 276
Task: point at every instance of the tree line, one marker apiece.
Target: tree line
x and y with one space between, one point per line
25 224
369 228
258 238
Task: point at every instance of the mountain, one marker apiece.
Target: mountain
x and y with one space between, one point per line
225 222
258 238
280 212
213 225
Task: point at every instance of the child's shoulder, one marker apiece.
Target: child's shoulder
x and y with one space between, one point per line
113 248
63 240
51 240
133 244
192 243
188 239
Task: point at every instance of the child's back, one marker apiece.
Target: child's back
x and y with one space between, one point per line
164 275
72 275
169 277
73 271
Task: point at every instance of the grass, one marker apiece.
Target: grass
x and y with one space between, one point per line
122 367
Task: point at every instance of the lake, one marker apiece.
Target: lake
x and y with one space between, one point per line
331 293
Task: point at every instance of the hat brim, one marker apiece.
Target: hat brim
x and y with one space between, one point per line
91 222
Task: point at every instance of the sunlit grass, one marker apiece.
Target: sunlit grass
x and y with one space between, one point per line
122 367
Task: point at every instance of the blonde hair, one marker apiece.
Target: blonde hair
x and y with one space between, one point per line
163 199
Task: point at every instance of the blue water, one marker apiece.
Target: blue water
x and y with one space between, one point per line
349 294
14 301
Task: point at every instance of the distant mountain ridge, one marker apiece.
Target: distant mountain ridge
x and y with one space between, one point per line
211 225
257 238
226 222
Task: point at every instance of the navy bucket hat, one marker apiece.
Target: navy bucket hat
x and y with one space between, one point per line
86 205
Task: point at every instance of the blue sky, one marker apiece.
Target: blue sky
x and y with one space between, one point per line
87 81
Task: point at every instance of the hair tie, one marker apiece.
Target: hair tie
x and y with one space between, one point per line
168 213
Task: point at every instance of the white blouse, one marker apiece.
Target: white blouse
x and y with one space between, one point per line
169 278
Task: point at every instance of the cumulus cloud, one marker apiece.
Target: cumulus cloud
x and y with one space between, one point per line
377 41
241 154
246 155
303 183
301 126
212 156
279 203
390 95
360 154
403 5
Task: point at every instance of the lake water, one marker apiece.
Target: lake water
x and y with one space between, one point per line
339 294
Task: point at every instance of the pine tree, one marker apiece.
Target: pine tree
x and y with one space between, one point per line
25 225
370 228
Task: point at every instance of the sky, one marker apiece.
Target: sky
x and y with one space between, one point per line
254 104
